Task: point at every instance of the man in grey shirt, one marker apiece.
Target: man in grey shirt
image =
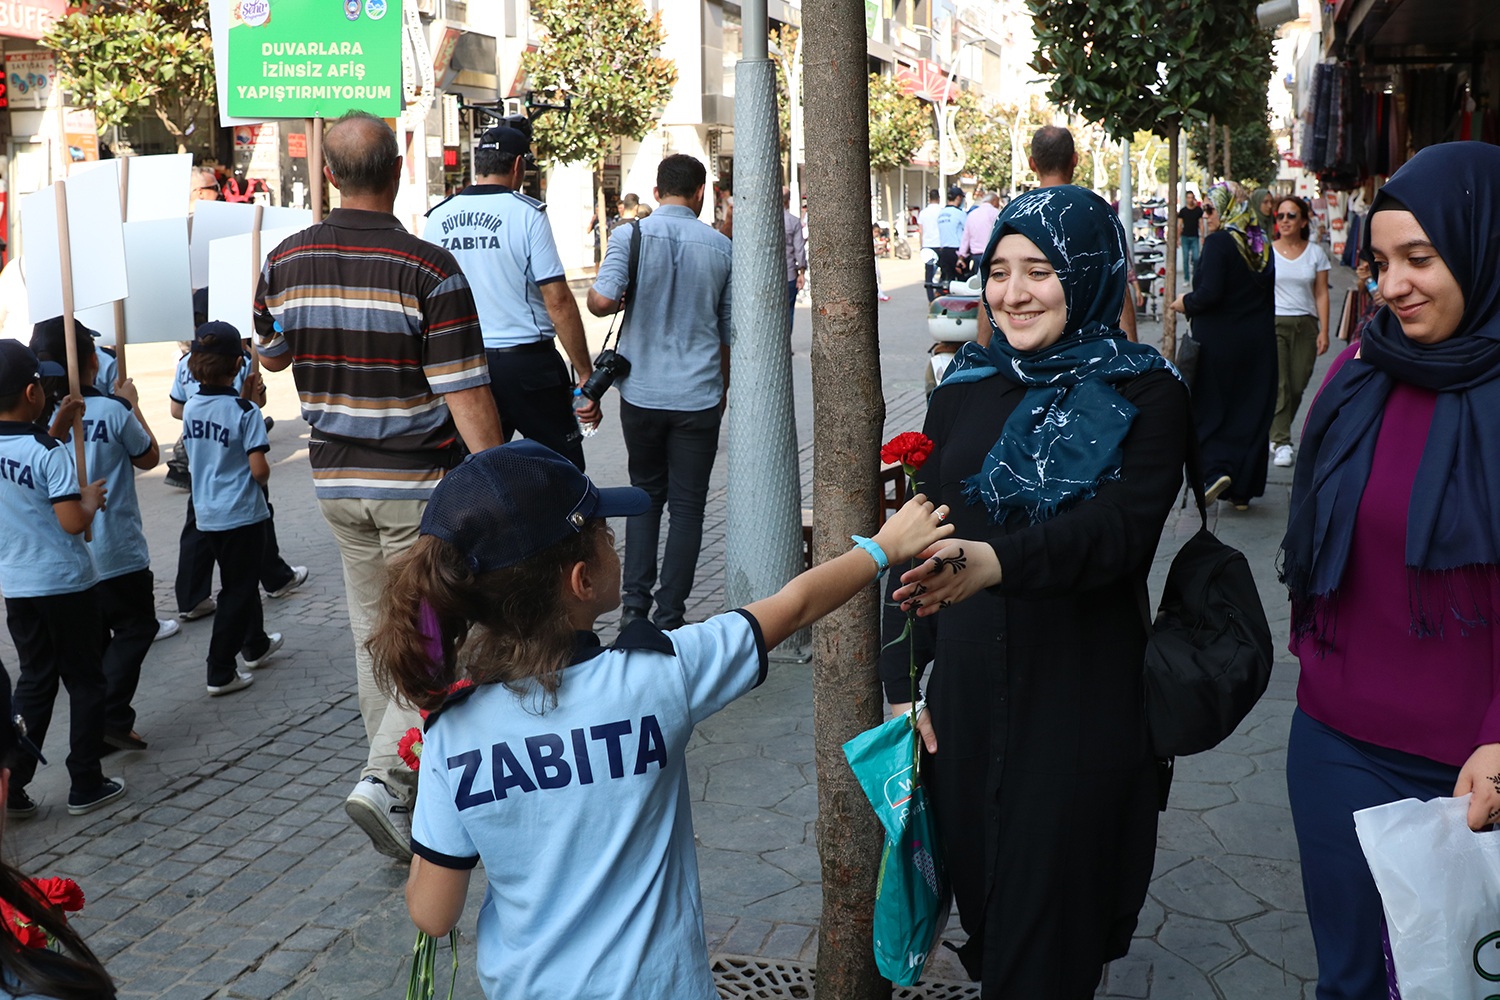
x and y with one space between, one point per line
796 254
676 337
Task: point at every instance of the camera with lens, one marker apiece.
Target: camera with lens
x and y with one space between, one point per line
608 366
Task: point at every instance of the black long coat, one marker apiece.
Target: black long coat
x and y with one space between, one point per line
1043 786
1233 310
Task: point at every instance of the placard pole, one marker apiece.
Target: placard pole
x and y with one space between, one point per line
315 166
65 256
254 286
120 375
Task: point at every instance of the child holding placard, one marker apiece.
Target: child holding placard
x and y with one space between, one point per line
48 578
225 437
117 441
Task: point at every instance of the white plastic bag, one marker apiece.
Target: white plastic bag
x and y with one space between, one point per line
1440 884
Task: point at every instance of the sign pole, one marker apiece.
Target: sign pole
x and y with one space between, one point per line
254 286
65 255
315 165
120 375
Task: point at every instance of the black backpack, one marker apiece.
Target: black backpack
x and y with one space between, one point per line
1208 655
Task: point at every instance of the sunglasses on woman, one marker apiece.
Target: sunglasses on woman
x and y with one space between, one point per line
1289 216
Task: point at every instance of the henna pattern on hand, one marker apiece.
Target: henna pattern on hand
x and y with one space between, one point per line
956 563
921 589
1495 780
944 604
915 603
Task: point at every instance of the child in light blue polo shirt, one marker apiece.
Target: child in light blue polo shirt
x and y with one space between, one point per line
562 765
48 579
117 442
225 437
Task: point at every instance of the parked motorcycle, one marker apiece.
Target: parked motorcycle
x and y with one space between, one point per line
952 321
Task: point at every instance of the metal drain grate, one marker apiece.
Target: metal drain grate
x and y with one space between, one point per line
741 977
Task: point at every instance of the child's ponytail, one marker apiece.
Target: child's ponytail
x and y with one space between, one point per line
417 635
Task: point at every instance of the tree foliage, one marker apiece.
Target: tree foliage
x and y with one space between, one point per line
153 55
986 137
899 123
1149 64
1252 146
604 55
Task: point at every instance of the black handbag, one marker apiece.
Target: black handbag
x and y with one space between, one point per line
1208 653
1186 358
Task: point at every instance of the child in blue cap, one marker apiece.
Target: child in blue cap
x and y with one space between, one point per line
559 762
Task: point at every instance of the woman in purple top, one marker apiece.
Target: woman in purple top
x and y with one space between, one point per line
1392 549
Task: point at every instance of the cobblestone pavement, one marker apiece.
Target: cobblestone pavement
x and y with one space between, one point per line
230 869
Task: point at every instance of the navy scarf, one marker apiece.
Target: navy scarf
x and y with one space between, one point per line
1453 524
1063 439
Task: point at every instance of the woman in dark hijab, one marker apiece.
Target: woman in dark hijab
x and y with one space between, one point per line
1059 448
1392 549
1233 309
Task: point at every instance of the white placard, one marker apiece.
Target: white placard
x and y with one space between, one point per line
277 217
161 187
231 287
159 307
96 239
214 220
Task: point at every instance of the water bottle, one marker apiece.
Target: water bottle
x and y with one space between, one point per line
580 401
1372 286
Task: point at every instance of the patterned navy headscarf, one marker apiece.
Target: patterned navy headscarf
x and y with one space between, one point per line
1063 439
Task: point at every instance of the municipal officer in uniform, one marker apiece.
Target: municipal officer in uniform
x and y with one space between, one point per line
504 244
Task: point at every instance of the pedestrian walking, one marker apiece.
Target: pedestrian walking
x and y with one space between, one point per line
554 732
1054 159
977 226
796 256
1301 318
1033 604
503 241
927 225
117 442
382 335
1233 309
1188 218
48 577
65 969
1392 552
675 335
950 237
225 437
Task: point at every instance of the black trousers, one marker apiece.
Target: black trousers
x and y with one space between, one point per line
238 624
57 639
671 455
128 606
948 266
534 395
930 277
195 560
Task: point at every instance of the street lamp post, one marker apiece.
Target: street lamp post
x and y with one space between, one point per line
942 118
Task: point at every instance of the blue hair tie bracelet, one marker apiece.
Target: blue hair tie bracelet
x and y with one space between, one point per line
876 552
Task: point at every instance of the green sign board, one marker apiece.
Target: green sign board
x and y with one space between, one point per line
308 58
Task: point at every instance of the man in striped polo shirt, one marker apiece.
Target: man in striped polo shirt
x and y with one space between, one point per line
382 336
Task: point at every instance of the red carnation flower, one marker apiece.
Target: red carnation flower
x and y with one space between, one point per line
410 748
63 893
29 934
910 449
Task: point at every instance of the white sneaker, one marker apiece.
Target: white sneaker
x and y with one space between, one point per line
299 577
240 682
260 661
205 608
165 629
1283 456
376 811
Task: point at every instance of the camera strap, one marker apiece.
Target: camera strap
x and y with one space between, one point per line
628 298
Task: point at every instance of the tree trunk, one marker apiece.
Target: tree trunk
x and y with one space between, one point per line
1228 164
848 420
1213 131
1169 290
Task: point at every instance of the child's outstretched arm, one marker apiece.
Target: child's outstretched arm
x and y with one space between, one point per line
823 588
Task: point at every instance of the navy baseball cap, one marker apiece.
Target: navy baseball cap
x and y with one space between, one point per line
508 503
13 729
955 192
200 300
226 339
19 367
506 139
50 337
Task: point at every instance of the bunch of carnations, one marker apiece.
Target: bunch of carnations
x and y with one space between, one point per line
61 894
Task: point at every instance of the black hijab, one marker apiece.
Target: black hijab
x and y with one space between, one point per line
1453 190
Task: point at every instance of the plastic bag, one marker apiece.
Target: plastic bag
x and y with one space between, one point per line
912 898
1440 886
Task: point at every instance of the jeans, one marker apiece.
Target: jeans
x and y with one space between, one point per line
128 603
1329 776
1190 251
671 455
368 533
239 625
1296 353
57 638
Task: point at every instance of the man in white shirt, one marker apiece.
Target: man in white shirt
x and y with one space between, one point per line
927 222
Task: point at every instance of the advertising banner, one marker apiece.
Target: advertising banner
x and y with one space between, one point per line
293 59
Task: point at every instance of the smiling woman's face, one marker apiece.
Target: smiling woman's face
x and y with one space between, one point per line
1025 295
1414 281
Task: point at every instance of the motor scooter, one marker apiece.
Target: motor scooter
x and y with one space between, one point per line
952 322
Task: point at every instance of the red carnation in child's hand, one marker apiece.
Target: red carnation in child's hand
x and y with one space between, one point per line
62 893
410 748
910 449
29 934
